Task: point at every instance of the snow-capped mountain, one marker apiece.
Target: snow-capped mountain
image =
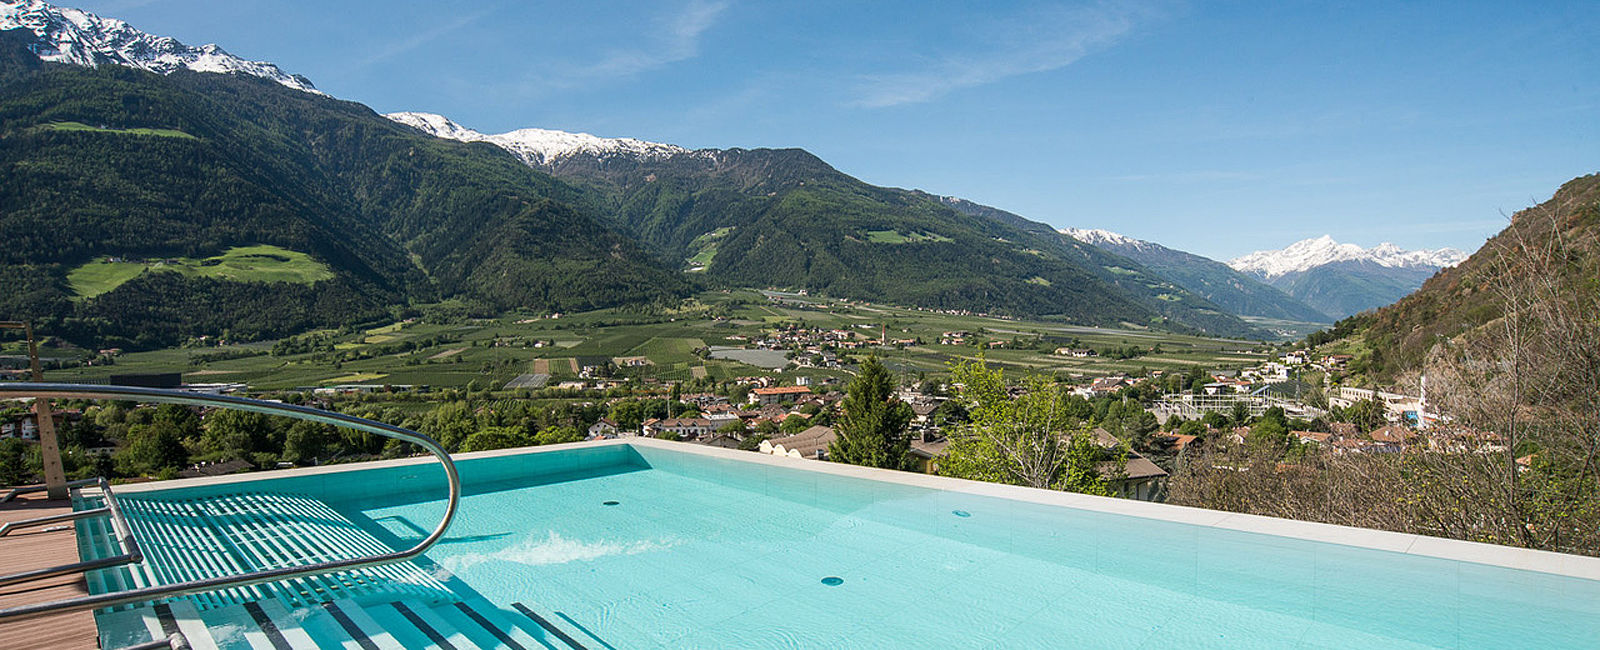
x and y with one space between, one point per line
1234 291
81 38
1311 253
540 147
1103 238
1345 279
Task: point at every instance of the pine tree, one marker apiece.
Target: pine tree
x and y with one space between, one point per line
873 428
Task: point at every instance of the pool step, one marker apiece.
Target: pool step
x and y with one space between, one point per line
232 534
96 540
343 623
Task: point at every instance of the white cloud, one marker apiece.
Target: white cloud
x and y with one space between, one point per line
419 39
1039 41
679 40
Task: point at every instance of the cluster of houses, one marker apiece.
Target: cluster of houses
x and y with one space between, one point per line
1103 386
815 347
1347 438
962 337
774 404
1076 353
1324 362
26 425
1396 406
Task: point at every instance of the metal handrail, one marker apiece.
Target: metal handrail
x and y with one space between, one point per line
119 527
15 492
164 396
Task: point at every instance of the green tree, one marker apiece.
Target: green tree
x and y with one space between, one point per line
496 438
1033 440
1240 415
110 414
628 414
793 424
181 419
231 434
1271 433
14 468
450 424
1190 428
306 440
1138 427
556 435
150 449
872 428
1367 414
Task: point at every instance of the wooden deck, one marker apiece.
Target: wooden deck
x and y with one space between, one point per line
34 548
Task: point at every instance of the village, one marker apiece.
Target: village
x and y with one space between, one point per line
774 385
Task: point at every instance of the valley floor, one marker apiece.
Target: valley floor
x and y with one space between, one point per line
672 345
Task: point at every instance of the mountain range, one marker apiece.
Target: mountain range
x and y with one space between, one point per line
783 217
78 37
404 218
1235 291
1344 279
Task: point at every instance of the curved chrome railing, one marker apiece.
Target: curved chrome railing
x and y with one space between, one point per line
162 396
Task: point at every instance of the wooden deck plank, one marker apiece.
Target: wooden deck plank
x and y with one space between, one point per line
35 548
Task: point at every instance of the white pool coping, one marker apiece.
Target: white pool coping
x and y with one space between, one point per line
1564 564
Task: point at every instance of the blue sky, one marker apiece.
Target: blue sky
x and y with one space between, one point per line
1218 128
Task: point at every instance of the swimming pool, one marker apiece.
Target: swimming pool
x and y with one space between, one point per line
656 544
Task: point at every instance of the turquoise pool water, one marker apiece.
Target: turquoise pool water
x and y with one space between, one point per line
654 548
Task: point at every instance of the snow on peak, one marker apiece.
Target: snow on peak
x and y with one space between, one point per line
81 38
1097 237
1311 253
437 125
540 147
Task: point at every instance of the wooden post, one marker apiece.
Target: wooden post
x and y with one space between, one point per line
55 478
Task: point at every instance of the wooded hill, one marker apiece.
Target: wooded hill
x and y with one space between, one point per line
1465 297
785 218
194 164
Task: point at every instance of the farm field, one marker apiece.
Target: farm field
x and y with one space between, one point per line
495 352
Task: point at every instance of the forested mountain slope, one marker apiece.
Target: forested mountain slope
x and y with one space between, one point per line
785 218
1234 291
116 162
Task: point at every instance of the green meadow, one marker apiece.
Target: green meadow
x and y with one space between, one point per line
241 264
79 126
896 237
